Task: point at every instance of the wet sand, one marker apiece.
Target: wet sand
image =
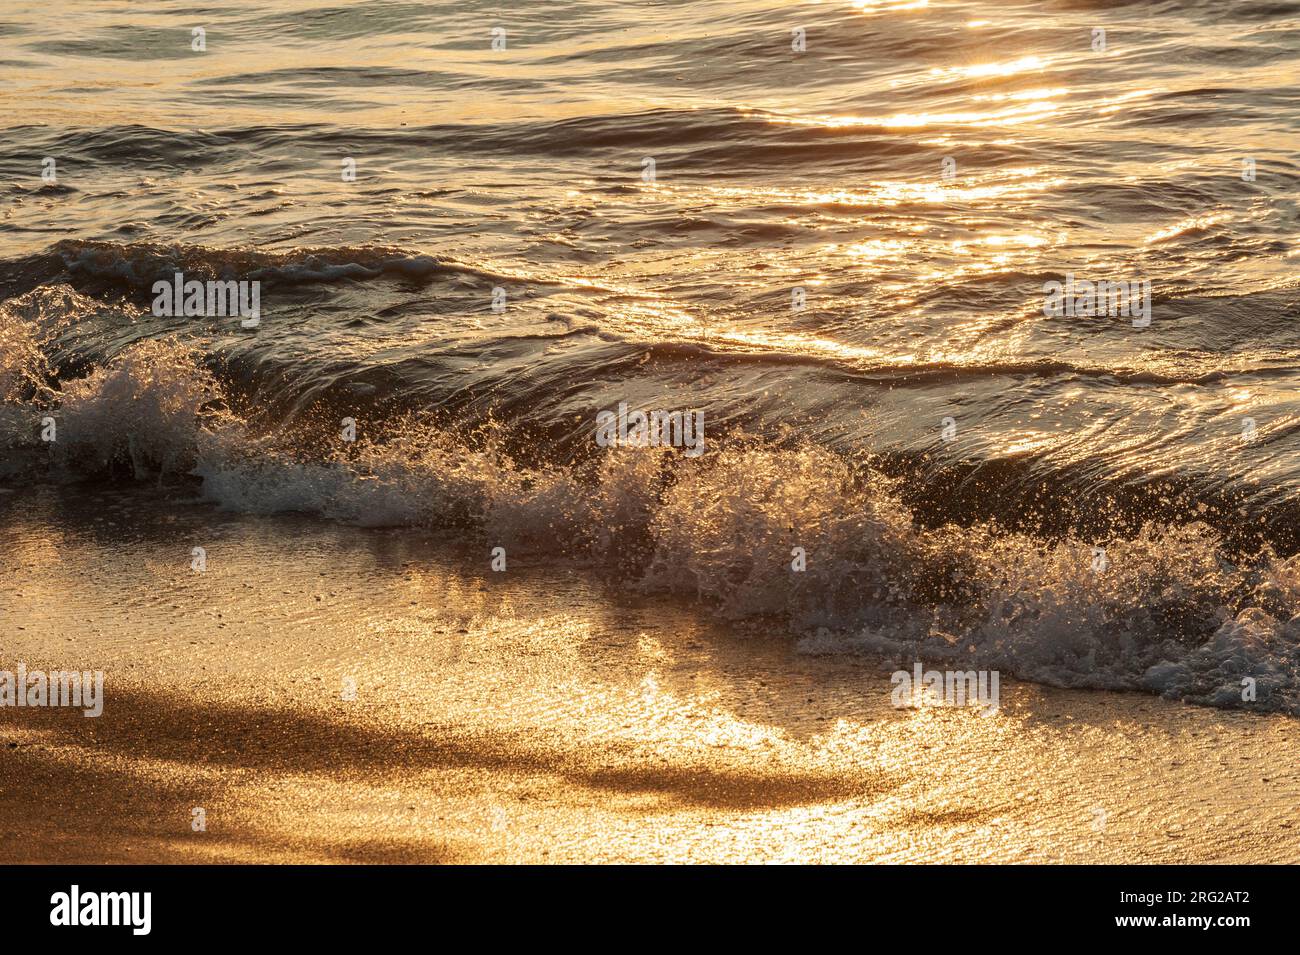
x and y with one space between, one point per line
539 715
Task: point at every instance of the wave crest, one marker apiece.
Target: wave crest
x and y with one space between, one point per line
804 536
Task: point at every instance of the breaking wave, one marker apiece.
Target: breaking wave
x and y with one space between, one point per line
1169 611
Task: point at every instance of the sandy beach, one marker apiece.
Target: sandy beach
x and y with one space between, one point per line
526 717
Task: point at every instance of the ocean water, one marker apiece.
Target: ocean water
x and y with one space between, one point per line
827 227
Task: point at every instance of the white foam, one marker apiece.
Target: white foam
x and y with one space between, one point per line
1169 613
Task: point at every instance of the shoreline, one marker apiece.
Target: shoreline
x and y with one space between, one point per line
535 716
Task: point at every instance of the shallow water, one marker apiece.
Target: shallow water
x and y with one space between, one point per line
921 317
536 716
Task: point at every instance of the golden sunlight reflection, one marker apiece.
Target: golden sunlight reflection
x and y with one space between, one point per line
1023 240
1028 442
1112 103
1036 94
1011 116
1191 224
961 346
981 70
878 249
874 6
1017 182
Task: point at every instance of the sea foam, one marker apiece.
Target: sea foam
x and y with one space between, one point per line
1171 613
